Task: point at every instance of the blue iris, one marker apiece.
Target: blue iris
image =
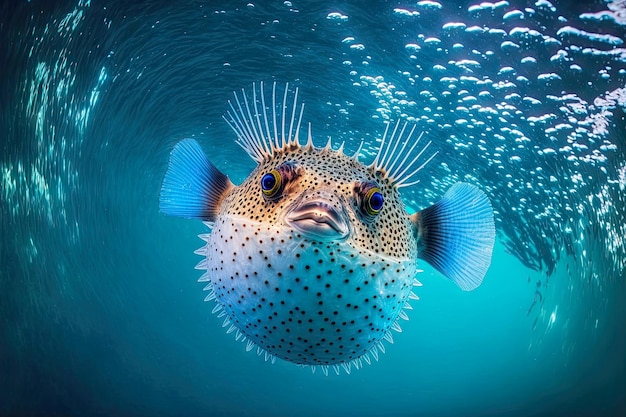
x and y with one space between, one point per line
271 184
268 181
372 202
376 201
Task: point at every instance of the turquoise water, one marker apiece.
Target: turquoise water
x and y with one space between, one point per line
100 306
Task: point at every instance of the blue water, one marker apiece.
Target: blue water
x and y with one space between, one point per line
100 310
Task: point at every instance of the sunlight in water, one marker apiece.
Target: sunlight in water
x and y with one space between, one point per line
524 100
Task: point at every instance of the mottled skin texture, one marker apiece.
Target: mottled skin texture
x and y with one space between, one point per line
306 301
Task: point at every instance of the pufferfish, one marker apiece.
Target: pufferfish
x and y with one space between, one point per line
313 258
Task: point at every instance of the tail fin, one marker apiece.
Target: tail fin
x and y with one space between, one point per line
456 235
192 187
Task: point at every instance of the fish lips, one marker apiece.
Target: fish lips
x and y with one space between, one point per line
320 220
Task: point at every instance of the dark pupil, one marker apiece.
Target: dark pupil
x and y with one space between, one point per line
376 201
268 182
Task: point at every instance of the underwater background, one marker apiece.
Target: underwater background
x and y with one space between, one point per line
100 309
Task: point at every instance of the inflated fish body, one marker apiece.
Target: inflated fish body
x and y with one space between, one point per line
312 259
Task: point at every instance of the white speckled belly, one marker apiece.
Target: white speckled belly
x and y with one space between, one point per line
303 301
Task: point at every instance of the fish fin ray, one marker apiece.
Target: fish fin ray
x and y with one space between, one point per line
192 187
355 156
456 235
264 126
398 154
283 114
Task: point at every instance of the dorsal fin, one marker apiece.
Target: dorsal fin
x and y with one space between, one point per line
259 132
309 140
355 156
340 150
395 161
329 144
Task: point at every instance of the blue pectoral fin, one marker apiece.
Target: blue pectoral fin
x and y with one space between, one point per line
192 187
456 235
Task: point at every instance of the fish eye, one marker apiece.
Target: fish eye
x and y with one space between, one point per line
271 184
373 201
369 200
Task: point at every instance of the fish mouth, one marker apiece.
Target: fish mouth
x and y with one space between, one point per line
319 219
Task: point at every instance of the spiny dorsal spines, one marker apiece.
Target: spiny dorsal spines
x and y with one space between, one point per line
340 150
394 161
355 156
283 114
309 140
275 144
292 138
375 163
258 133
296 138
266 150
247 136
329 144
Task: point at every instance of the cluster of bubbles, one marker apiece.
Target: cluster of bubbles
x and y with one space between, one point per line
534 108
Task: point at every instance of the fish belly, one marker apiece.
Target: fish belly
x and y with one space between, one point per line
307 302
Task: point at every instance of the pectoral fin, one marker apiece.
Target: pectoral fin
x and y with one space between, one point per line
192 187
456 235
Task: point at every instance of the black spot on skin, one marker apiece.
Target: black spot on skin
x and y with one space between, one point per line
386 235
